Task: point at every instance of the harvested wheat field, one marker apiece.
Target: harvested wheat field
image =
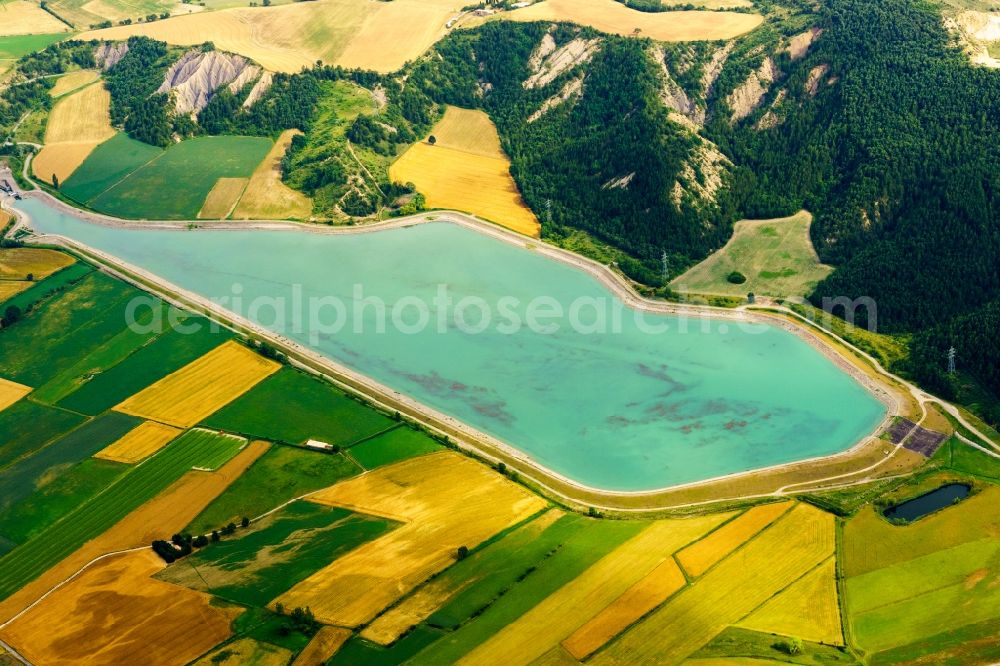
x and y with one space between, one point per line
18 263
77 124
10 288
246 651
699 557
468 130
266 196
202 387
18 17
795 544
559 615
379 36
446 501
466 170
655 588
11 392
222 198
167 513
808 609
388 627
142 442
323 645
70 82
114 613
614 17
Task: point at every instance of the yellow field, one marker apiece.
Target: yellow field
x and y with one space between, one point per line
561 613
417 607
70 82
699 558
468 130
323 645
446 501
808 609
166 514
466 170
19 263
246 651
27 18
773 560
266 197
638 600
201 387
614 17
380 36
114 613
140 443
11 392
10 288
77 124
221 199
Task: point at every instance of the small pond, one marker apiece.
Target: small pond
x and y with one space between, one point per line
918 507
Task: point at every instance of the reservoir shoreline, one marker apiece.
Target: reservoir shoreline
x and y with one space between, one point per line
470 439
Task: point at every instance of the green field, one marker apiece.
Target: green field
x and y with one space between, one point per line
906 602
393 446
52 501
281 474
310 409
566 549
24 477
49 285
27 426
172 184
15 46
109 163
737 643
106 356
167 353
196 448
64 329
275 553
871 543
776 257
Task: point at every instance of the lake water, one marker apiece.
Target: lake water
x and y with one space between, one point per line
613 407
920 506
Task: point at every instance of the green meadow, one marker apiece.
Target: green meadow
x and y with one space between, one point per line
64 329
310 409
15 46
26 426
281 474
298 541
196 448
53 500
126 178
30 473
163 355
397 444
49 285
775 256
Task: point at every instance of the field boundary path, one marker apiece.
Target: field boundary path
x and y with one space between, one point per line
490 449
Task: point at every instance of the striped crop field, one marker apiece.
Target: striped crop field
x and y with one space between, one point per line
202 387
777 557
197 448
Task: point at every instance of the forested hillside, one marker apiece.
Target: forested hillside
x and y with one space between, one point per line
593 146
898 155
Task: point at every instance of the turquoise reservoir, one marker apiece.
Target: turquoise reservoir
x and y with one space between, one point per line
612 407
